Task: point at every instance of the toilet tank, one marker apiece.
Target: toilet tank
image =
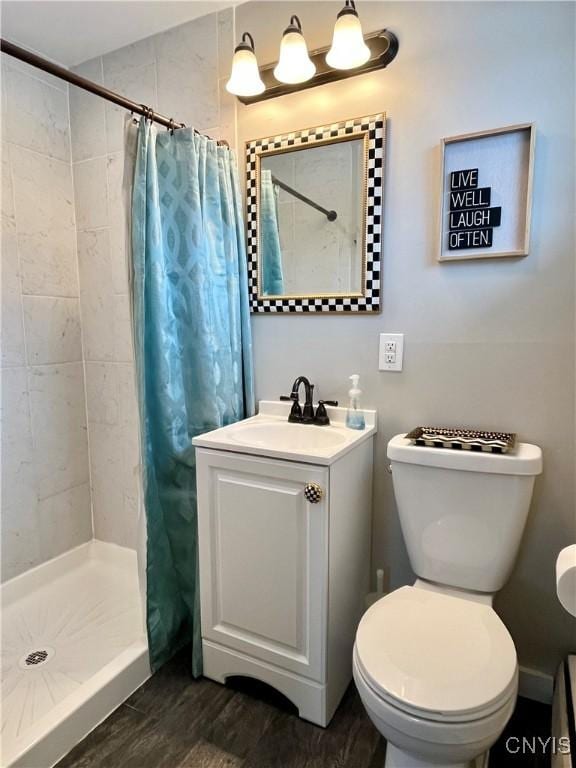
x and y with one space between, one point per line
462 512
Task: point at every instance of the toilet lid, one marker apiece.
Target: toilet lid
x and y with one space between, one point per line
435 653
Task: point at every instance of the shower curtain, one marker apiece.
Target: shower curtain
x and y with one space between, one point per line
272 275
193 354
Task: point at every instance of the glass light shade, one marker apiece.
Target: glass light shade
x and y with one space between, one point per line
348 47
245 78
294 64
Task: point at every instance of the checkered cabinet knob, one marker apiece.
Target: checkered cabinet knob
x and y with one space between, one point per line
313 493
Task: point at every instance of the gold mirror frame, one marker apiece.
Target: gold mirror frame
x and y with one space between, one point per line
372 130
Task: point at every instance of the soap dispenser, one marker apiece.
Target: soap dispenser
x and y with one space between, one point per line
354 415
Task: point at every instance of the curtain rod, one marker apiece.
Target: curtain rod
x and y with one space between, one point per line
81 82
330 215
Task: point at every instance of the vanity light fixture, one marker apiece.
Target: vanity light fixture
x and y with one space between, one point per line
245 80
348 49
350 54
294 65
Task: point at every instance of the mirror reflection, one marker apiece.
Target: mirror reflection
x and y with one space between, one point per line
311 220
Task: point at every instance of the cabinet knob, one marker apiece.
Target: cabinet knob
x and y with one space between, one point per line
313 493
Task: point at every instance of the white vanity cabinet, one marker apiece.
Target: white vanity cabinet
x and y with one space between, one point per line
283 579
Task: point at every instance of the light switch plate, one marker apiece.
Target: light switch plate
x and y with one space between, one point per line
391 351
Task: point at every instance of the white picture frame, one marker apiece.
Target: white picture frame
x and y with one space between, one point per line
503 162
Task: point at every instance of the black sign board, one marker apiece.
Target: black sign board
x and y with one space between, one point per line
470 218
474 218
467 179
470 198
470 238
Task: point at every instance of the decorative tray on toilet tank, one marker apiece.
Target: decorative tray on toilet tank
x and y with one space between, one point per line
463 439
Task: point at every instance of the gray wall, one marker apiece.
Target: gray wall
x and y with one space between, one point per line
487 343
45 482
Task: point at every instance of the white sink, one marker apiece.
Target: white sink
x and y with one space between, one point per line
270 434
287 437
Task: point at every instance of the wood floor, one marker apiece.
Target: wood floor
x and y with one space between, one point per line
175 722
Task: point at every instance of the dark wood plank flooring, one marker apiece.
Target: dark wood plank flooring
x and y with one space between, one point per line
173 721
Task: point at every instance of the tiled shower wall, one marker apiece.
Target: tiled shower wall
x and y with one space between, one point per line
181 74
45 473
69 413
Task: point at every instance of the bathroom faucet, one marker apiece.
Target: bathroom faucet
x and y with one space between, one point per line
307 416
298 415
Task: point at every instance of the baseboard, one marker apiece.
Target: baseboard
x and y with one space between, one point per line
536 685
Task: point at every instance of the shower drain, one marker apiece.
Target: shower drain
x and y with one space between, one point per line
36 658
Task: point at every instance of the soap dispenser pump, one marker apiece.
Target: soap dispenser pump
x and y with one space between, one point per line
354 415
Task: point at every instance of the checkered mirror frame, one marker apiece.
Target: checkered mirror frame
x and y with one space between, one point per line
375 125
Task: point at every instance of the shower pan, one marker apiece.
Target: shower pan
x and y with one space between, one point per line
73 648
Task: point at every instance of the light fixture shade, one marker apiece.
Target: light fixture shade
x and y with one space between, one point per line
294 65
245 77
348 49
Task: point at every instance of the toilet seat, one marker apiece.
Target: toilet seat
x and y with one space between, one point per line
436 656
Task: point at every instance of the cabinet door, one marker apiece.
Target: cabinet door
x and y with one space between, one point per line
263 559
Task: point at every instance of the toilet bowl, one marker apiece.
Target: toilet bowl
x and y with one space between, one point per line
435 667
437 675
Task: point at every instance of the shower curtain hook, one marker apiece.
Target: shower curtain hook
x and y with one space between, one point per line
171 129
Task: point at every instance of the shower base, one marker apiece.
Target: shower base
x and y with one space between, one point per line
73 648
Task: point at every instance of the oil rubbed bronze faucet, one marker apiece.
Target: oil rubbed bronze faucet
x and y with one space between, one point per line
299 415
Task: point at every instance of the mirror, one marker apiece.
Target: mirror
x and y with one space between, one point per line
314 212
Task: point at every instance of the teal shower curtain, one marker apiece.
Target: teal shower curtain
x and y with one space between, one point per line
193 354
272 275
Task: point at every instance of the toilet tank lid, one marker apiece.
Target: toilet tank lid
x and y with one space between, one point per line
526 459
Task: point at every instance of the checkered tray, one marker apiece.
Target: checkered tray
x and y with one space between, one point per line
463 439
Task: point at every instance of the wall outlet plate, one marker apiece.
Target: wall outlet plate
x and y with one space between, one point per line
391 354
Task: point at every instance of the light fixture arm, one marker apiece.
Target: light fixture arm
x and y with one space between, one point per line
294 26
245 46
349 7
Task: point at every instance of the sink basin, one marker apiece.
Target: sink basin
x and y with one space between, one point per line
288 437
270 434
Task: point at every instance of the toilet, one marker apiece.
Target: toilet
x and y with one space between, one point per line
435 666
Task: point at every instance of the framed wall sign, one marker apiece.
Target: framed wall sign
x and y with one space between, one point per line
487 193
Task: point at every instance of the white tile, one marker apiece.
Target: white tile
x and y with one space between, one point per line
36 73
119 172
114 488
123 347
43 193
64 521
58 410
106 319
103 393
96 295
48 263
20 542
226 42
90 191
52 328
139 85
36 115
187 61
133 56
114 450
228 106
88 115
7 193
12 341
18 491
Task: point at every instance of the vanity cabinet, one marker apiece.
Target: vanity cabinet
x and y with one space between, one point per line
283 579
